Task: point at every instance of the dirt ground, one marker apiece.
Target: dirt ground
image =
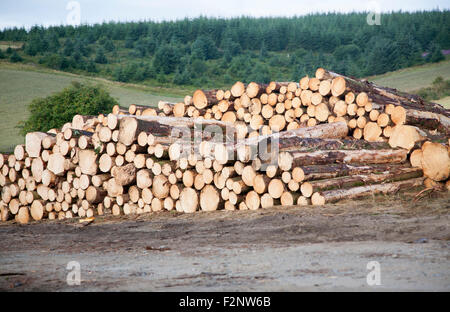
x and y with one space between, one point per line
277 249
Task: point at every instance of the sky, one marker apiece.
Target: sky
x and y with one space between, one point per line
27 13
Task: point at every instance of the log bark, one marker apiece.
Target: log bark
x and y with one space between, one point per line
349 157
362 191
130 127
397 174
319 172
335 130
95 195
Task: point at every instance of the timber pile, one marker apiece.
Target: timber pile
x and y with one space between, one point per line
321 140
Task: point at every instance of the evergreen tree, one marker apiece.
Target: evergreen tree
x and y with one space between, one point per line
109 45
15 57
68 47
263 54
100 57
91 67
166 59
204 48
182 78
436 54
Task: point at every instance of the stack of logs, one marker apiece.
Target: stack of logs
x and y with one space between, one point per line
254 146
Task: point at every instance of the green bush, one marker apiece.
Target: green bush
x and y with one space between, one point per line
15 57
439 89
57 109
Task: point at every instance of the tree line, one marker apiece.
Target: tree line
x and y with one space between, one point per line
206 52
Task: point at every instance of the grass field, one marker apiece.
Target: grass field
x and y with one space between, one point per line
413 78
4 45
21 84
444 102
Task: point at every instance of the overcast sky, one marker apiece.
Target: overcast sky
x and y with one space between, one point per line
55 12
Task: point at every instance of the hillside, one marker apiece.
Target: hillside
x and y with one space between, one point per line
417 78
214 52
414 78
21 84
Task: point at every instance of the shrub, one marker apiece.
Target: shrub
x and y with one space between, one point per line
57 109
15 57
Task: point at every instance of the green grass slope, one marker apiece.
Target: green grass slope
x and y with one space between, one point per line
444 102
21 84
413 78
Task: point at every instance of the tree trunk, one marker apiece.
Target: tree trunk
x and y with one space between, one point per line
331 196
349 157
398 174
130 127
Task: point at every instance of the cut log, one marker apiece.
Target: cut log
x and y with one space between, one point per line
311 144
209 198
255 90
37 167
368 190
261 183
237 89
144 178
124 175
398 174
266 201
372 132
87 162
80 122
95 195
252 200
306 189
161 187
398 115
106 162
202 99
349 157
416 158
57 163
33 143
130 127
276 188
335 130
189 200
435 161
19 152
23 216
405 136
